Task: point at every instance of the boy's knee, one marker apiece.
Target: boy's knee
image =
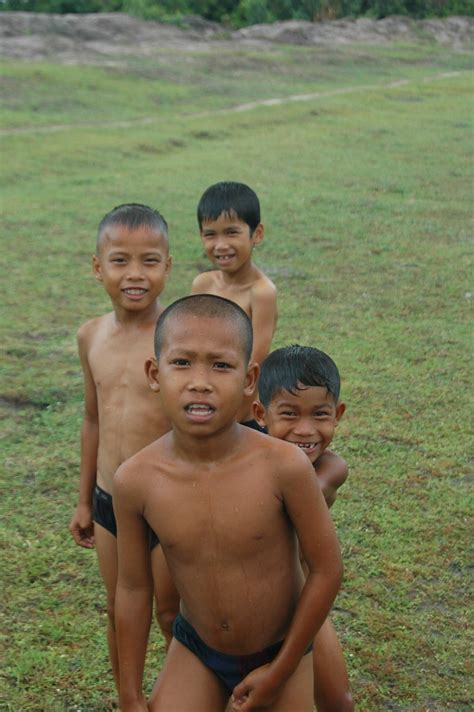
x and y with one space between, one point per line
341 702
111 611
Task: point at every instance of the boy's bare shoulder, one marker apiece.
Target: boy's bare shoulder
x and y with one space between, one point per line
263 287
89 329
334 464
203 281
285 459
146 459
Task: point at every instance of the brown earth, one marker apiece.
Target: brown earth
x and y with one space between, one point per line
103 38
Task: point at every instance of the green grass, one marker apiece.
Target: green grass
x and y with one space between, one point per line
366 198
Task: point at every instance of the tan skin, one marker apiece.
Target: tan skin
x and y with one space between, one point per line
308 418
226 502
121 415
228 243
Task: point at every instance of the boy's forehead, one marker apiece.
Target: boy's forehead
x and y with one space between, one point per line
227 216
202 333
309 395
121 236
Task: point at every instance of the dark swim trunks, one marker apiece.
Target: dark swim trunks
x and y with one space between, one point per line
254 425
230 669
103 514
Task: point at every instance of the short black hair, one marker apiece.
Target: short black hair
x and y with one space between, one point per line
207 305
293 367
232 199
133 215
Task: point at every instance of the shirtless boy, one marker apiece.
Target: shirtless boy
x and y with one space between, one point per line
121 413
299 402
229 223
227 504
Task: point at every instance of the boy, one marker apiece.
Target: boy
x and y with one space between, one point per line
229 223
121 415
225 502
299 402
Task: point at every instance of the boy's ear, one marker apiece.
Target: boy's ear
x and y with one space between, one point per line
257 235
251 378
96 269
169 262
152 374
340 410
259 413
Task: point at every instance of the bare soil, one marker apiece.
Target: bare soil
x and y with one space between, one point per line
103 38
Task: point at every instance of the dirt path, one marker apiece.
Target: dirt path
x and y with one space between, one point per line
276 101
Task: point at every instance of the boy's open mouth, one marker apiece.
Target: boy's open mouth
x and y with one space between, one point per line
306 446
199 409
135 291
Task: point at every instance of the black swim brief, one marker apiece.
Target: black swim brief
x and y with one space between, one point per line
230 669
103 514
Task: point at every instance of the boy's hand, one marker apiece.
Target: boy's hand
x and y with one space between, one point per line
82 526
256 691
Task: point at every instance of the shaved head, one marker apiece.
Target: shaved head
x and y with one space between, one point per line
207 306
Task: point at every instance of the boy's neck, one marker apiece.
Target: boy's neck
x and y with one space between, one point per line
125 317
214 448
246 273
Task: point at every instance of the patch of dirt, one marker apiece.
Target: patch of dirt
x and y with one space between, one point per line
103 38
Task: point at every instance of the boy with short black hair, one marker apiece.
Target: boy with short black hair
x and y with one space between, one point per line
299 390
229 224
121 416
226 502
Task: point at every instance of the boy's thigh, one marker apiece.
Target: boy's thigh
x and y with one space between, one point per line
331 680
106 548
297 694
186 684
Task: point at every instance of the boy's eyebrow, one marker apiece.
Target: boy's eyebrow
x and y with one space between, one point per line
176 351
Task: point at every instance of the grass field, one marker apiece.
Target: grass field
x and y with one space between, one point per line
366 197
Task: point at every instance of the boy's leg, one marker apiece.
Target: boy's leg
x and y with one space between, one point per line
106 547
332 691
166 595
186 684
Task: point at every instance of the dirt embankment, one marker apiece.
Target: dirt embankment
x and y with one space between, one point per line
98 38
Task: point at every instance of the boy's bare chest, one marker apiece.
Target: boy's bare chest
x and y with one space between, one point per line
201 519
119 363
238 293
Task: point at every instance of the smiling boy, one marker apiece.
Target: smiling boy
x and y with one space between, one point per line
121 416
226 503
299 391
229 224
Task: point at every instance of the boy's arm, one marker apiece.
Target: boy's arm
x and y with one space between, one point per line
264 316
81 525
332 472
133 601
310 516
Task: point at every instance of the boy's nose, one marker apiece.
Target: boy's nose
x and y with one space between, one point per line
199 381
135 271
304 426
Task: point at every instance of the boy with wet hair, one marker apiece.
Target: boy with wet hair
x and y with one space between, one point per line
132 261
226 503
229 224
299 392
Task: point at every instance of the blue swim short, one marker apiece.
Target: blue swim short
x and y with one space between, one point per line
230 669
103 514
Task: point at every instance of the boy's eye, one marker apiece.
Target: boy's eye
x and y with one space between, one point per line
321 414
288 413
118 260
152 261
180 362
222 365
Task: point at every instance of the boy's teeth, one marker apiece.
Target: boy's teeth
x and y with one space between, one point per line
134 291
199 409
306 446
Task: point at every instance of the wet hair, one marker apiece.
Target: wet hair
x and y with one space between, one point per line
294 367
133 215
232 199
209 306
